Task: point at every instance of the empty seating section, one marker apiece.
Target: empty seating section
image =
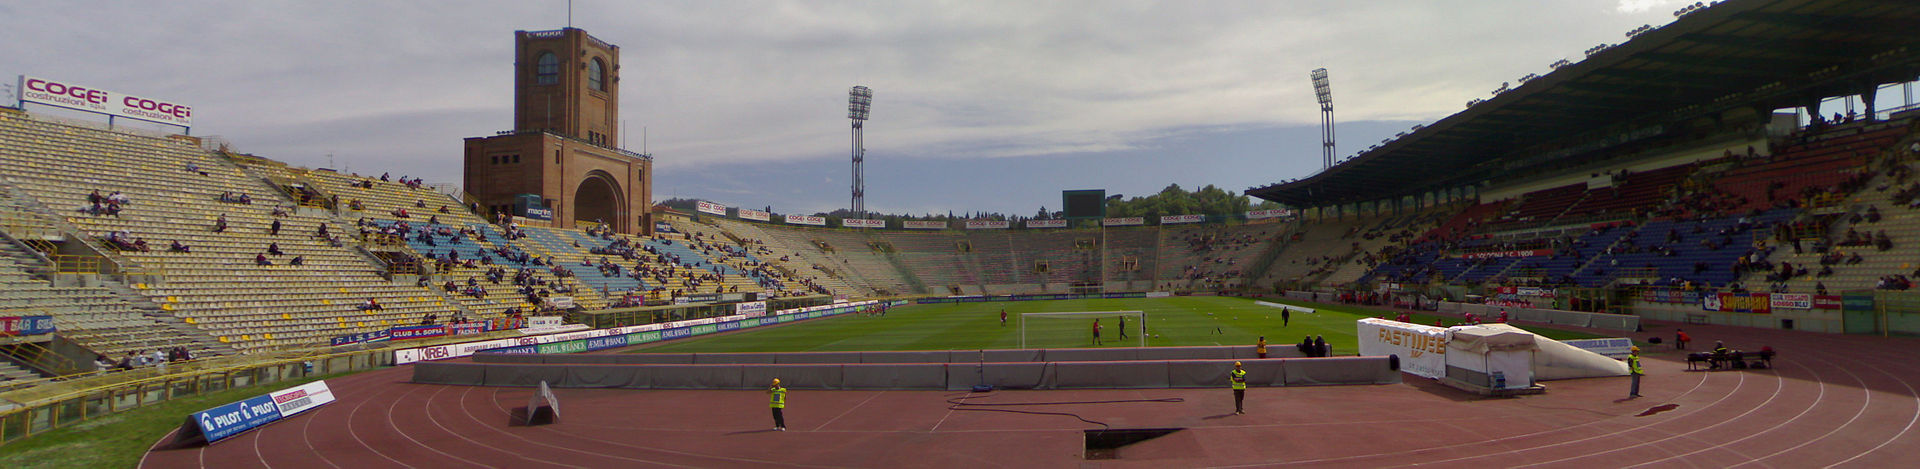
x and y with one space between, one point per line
175 193
1544 205
1314 249
860 258
1467 221
1802 170
92 316
1637 191
802 262
933 257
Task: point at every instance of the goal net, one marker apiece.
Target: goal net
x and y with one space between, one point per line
1075 329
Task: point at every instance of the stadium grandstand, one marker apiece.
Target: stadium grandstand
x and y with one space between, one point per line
1695 175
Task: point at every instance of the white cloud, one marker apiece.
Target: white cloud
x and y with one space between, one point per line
720 82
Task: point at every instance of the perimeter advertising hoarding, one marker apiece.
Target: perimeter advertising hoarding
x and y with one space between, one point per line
924 224
1177 219
1046 223
755 215
85 98
988 224
1125 221
863 223
710 207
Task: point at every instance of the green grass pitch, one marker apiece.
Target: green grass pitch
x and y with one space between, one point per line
1174 321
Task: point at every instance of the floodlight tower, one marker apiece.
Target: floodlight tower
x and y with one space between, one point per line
859 101
1324 92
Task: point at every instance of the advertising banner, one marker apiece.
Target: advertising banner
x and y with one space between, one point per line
806 220
988 224
73 96
1826 301
863 223
1499 254
369 336
1535 292
467 328
228 420
924 224
1669 295
751 214
713 208
26 325
1127 221
1791 301
1613 347
417 332
298 399
752 309
1271 213
1737 302
1046 223
1177 219
1422 349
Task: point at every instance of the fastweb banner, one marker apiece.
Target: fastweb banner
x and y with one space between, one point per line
1422 349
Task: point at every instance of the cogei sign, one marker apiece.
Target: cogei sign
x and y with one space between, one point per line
86 98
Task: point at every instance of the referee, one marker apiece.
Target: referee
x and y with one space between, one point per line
1238 378
779 403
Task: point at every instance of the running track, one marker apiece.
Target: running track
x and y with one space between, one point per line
1832 401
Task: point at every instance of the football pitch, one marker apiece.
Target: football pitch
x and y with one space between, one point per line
1173 321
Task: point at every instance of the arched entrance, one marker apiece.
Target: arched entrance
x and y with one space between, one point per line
599 199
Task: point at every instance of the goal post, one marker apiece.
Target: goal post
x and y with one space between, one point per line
1072 329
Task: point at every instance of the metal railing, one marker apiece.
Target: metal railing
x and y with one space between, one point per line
87 403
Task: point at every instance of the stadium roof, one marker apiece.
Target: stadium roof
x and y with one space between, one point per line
1767 54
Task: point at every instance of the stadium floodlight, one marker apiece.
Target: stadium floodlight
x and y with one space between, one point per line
1323 91
859 104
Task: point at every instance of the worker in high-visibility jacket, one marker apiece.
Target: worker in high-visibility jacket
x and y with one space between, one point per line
1634 371
1238 378
779 403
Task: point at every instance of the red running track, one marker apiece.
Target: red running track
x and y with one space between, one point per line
1831 401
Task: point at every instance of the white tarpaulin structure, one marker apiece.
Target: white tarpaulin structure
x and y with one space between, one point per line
1422 349
1425 351
1495 357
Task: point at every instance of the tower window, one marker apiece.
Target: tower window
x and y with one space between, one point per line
546 69
597 75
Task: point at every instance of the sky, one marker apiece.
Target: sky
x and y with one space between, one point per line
978 105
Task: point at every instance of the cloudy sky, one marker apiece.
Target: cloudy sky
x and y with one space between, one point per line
979 105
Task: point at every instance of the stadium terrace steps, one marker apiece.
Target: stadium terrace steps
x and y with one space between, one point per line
175 190
795 259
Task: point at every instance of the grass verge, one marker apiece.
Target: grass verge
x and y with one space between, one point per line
118 440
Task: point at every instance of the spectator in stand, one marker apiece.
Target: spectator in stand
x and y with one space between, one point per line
274 249
177 247
220 225
261 259
371 305
298 260
274 229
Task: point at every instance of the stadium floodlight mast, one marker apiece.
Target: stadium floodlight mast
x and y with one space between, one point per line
859 102
1323 91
